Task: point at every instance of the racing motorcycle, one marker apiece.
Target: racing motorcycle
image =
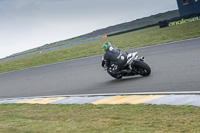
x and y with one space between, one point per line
134 66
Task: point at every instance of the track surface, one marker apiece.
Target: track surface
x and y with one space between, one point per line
175 67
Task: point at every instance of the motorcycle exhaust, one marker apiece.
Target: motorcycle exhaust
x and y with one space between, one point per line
142 58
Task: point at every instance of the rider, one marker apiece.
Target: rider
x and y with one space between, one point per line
115 58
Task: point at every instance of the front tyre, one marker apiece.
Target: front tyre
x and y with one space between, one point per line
142 68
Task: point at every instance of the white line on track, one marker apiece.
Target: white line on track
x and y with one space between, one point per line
113 94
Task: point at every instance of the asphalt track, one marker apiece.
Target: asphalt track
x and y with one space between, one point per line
175 68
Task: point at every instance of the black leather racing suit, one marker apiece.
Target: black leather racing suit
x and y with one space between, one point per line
114 56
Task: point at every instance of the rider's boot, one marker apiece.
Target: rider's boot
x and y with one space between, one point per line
123 72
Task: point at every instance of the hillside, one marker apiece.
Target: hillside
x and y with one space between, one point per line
124 26
132 24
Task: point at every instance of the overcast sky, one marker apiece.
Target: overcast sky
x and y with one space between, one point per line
26 24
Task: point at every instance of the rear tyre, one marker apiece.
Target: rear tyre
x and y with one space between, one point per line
142 68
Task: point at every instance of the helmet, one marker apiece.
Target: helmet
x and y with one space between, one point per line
106 46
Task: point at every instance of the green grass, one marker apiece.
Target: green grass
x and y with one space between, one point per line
26 118
47 46
145 37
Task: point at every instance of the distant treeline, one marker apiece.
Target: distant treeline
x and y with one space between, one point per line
133 24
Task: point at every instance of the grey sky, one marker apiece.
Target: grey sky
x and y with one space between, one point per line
26 24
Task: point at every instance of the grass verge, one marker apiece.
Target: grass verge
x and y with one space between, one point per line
145 37
90 118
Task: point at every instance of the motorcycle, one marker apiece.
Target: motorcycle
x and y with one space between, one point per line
134 66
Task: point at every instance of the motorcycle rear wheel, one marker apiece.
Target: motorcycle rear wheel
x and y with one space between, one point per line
142 68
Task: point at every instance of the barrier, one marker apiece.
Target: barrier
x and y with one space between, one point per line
122 32
179 20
